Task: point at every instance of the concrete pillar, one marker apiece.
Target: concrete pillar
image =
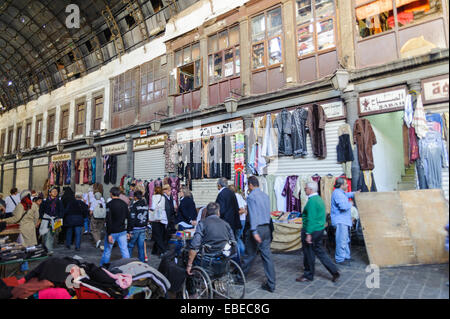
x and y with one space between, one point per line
107 105
71 129
204 55
290 50
44 128
248 120
98 164
351 103
245 47
72 170
33 133
14 174
130 159
14 148
345 27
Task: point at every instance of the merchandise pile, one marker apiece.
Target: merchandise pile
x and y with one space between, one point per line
285 217
12 251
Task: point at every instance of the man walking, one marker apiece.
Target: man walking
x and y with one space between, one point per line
116 214
137 223
257 234
229 208
11 202
341 220
314 216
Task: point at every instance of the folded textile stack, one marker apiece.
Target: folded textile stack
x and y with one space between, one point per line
11 251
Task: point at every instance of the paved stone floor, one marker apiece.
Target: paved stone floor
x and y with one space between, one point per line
411 282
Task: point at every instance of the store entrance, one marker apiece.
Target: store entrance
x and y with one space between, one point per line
388 153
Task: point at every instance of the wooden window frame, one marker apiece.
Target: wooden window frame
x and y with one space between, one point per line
222 52
396 27
118 90
144 71
28 134
314 22
79 124
19 133
94 111
2 142
38 135
200 69
51 138
267 40
62 128
9 147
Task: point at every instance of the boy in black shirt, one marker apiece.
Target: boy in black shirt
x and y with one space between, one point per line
116 214
137 222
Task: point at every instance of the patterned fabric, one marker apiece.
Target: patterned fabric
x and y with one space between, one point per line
419 120
292 203
170 154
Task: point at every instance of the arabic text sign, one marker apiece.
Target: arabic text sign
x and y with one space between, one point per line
61 157
333 109
149 142
212 130
435 89
90 153
114 149
384 101
8 166
23 164
40 161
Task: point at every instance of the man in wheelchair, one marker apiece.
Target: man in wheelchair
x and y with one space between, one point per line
212 244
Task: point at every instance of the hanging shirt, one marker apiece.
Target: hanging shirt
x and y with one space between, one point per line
280 198
409 111
433 154
419 120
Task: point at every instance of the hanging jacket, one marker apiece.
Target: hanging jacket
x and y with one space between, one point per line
366 182
298 132
85 171
364 138
283 123
94 167
317 121
77 171
69 172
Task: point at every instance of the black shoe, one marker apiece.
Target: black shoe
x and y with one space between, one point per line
335 277
266 287
77 249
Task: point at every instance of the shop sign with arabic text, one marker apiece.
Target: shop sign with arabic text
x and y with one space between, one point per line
211 130
149 142
382 101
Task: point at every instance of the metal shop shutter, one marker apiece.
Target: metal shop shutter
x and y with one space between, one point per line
309 165
40 174
22 176
149 164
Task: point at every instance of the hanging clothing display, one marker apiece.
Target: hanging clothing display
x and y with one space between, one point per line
226 151
170 153
292 203
270 138
326 190
197 159
278 189
215 155
283 124
205 157
270 179
433 157
345 148
85 171
263 184
413 145
317 120
299 119
408 114
109 169
94 167
419 120
366 182
364 138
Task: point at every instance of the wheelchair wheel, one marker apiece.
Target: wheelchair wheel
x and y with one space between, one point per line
197 286
232 284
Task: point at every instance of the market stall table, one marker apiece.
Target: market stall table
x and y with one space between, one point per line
13 266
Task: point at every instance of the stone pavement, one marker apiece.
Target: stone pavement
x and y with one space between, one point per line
409 282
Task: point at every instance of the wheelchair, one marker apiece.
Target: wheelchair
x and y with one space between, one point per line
214 277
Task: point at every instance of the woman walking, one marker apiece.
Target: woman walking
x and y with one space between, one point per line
98 214
51 210
74 216
159 222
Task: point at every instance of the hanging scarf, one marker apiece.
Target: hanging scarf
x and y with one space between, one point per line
26 203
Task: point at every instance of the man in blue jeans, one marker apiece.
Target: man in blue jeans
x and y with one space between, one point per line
341 219
116 214
137 222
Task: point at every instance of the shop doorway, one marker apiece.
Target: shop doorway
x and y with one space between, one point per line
388 153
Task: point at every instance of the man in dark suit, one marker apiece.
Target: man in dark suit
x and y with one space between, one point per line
229 208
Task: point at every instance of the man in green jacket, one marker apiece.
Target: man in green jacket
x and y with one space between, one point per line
314 217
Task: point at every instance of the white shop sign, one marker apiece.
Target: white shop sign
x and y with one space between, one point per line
40 161
90 153
61 157
211 130
149 142
333 109
23 164
115 149
435 90
382 102
8 166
